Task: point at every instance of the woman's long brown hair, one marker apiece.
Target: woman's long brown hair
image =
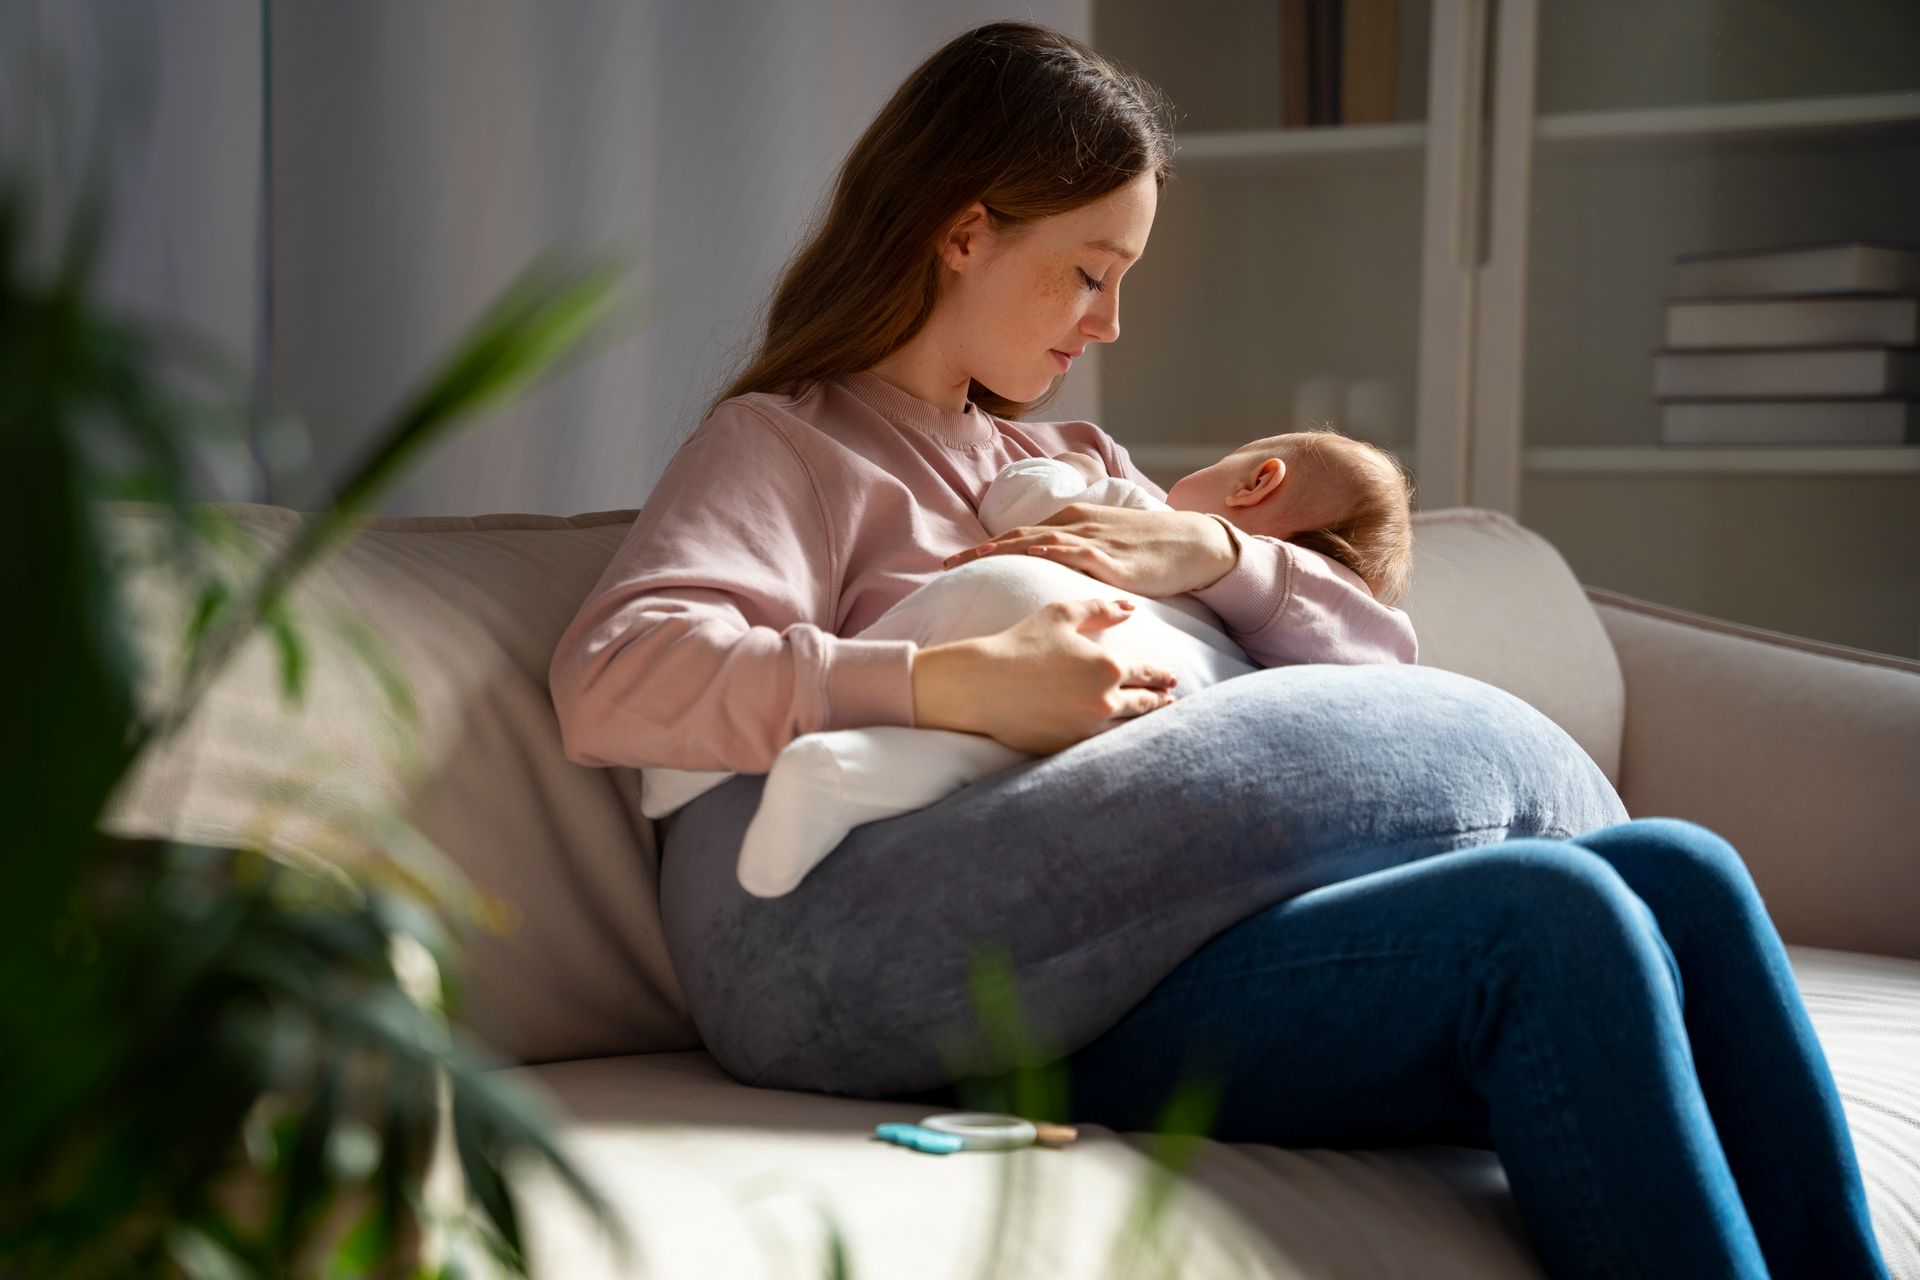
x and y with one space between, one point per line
1025 120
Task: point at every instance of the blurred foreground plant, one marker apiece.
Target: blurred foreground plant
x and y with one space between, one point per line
219 1061
1034 1084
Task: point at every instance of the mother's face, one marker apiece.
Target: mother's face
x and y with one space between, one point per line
1010 304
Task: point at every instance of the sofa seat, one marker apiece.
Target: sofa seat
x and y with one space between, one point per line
717 1178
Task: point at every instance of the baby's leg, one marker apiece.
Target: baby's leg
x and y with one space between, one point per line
823 785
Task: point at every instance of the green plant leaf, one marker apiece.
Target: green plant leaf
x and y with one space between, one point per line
214 594
545 313
63 1041
408 1126
477 1144
144 1037
203 1258
387 676
838 1268
304 1178
499 1116
361 1250
292 651
1177 1138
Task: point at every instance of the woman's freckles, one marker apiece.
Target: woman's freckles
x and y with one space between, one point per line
1064 288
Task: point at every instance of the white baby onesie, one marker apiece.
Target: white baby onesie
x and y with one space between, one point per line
822 785
1028 491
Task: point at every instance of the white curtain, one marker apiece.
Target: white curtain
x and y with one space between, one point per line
174 94
419 154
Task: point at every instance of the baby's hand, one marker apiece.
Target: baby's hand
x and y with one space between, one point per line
1086 464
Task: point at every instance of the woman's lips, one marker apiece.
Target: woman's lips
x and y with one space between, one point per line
1066 362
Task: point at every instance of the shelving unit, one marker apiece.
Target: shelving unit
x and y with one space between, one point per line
1493 265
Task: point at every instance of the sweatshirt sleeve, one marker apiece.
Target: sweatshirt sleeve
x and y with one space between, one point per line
707 642
1287 605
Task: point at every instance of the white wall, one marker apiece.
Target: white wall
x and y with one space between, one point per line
423 153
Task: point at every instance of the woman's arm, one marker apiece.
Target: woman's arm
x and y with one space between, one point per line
1287 605
707 643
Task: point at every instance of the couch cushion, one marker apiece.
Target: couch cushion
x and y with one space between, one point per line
1866 1009
716 1178
469 609
1494 600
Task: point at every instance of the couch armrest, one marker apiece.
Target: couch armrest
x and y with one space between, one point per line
1804 755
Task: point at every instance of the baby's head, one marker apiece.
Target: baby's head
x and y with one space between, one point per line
1318 489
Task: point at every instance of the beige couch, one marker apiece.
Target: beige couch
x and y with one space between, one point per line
1804 755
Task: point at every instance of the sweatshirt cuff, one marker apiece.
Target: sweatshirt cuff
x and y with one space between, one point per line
1249 595
869 682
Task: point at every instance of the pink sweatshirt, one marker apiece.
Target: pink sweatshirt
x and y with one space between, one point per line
785 523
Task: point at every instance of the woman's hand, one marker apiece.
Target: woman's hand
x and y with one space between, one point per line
1150 553
1040 685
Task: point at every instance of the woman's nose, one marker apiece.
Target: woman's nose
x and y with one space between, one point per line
1103 326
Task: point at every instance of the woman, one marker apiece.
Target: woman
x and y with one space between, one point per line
1591 1008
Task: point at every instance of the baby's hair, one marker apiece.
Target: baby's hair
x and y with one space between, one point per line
1373 535
1024 119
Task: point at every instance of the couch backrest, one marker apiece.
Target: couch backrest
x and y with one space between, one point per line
1496 601
470 609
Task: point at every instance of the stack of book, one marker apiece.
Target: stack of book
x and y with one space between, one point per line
1814 344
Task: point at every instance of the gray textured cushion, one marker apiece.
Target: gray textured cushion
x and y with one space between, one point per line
1101 867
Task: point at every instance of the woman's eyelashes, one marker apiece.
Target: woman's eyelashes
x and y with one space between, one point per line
1093 284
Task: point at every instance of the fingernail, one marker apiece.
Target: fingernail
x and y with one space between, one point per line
1125 604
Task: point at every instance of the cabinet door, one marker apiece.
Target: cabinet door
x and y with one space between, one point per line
1626 134
1291 276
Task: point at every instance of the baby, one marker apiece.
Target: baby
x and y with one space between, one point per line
1342 497
1318 489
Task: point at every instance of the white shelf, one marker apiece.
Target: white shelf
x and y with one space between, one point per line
1238 150
1724 119
1179 459
1724 460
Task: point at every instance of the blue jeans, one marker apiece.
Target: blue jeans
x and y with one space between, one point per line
1614 1014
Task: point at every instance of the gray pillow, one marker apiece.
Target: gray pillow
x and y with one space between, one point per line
1099 868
